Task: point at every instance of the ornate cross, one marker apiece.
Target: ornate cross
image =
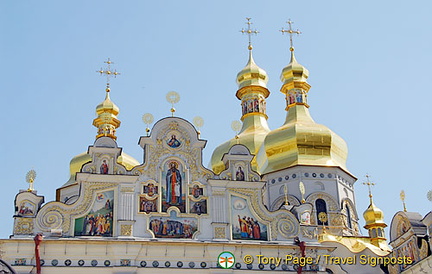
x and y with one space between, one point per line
108 72
369 184
249 32
290 31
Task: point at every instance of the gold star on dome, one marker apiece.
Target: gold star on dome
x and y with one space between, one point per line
290 31
249 32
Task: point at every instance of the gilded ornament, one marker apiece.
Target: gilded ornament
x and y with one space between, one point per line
219 232
126 230
24 226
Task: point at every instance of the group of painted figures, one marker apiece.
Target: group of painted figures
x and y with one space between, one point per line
99 225
249 228
172 229
254 105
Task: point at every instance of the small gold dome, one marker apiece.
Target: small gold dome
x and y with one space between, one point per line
252 75
373 215
294 75
106 120
107 106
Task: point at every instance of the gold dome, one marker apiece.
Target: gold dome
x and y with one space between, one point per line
299 141
252 83
373 215
294 75
252 75
106 120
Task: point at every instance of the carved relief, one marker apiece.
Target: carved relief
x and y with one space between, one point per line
24 226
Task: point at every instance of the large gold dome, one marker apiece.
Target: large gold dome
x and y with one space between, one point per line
299 141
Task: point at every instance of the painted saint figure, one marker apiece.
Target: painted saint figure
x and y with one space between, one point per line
173 185
104 167
240 174
173 142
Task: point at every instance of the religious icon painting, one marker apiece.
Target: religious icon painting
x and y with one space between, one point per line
173 226
146 205
173 190
27 209
103 168
196 191
150 189
199 207
99 220
244 225
239 173
172 141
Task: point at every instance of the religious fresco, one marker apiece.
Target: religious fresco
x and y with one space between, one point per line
173 142
150 189
103 167
244 225
173 226
173 190
146 205
254 105
199 207
196 191
240 175
27 209
99 221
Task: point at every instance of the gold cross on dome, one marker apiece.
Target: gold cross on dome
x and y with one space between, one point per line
249 32
108 72
369 184
290 31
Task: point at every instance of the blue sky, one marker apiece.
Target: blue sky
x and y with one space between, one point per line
369 64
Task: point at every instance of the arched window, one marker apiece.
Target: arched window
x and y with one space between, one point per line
348 212
321 206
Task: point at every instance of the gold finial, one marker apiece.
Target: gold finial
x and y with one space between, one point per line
198 122
286 194
290 31
402 197
30 177
173 98
302 191
249 32
147 119
369 184
108 72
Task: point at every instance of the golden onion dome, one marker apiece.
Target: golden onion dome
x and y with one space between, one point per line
373 215
252 75
294 73
252 83
300 140
106 120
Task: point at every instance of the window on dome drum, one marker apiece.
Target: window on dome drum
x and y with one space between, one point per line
348 216
321 206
